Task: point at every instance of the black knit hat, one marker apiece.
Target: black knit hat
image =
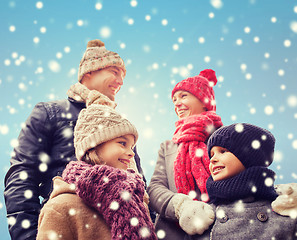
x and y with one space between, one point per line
252 145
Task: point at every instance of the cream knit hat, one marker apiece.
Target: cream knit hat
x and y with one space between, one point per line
96 57
99 123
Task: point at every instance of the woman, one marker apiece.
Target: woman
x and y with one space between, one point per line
182 167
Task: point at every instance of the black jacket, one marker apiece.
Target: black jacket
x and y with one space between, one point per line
45 146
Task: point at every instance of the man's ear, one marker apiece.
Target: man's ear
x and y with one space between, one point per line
87 75
85 78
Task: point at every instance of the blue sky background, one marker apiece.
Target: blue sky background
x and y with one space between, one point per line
251 44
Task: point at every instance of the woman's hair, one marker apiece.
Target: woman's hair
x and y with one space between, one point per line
92 157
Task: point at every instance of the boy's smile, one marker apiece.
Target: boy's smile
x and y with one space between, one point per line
224 164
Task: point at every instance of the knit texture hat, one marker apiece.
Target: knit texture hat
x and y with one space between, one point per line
99 123
96 57
201 87
252 145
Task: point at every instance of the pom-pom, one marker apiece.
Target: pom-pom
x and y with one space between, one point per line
95 43
210 75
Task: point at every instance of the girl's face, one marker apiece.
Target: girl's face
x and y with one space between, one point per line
224 164
117 152
186 104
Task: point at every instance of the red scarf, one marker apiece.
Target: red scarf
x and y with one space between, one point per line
192 161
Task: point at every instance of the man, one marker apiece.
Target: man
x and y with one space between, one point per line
46 142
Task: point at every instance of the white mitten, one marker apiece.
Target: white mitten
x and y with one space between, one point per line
194 216
286 203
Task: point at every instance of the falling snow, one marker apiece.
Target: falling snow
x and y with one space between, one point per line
256 68
134 221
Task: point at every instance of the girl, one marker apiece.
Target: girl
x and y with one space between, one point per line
99 196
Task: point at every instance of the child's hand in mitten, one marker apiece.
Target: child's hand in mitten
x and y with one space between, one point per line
194 216
286 203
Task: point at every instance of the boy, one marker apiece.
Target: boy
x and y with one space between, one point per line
241 186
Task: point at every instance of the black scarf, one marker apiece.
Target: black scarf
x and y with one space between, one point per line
254 181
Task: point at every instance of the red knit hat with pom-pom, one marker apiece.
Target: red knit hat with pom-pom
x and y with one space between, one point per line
201 86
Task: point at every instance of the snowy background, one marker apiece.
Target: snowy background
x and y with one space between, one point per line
251 44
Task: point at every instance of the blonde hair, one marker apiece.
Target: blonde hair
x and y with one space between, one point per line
92 157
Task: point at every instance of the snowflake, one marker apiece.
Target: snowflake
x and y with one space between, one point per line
72 211
43 167
144 232
28 194
192 194
67 133
105 32
52 235
256 144
220 213
44 157
54 66
23 175
125 195
114 205
239 127
105 179
239 206
161 234
26 224
254 189
134 221
268 182
98 6
11 221
199 152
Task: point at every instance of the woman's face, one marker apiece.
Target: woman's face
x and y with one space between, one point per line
186 104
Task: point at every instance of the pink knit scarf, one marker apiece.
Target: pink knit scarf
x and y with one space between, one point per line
192 161
116 194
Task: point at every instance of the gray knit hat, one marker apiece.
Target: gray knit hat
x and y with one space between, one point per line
99 123
96 57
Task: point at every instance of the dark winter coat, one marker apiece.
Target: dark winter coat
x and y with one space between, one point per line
249 219
45 147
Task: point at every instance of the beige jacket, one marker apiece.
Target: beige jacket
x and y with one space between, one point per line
65 216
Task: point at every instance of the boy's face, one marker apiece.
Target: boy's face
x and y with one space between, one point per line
186 104
107 81
224 164
117 152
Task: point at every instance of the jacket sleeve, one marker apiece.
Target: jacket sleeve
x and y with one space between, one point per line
138 164
159 193
53 223
23 178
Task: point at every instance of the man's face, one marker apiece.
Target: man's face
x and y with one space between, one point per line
107 81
